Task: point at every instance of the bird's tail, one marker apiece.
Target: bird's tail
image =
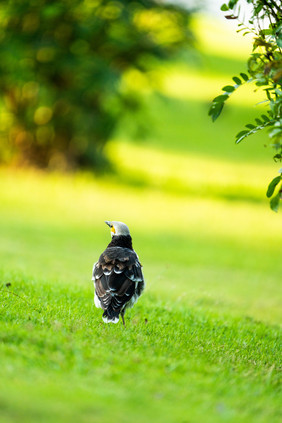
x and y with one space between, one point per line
110 316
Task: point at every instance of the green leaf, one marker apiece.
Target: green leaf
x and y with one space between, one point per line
258 9
220 98
266 31
279 42
224 7
241 135
215 110
250 126
274 202
272 186
268 95
237 80
265 118
258 121
232 3
228 88
244 76
270 113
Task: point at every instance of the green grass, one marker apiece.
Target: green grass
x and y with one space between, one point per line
177 126
203 344
172 363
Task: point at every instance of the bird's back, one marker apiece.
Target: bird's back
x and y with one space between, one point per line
118 278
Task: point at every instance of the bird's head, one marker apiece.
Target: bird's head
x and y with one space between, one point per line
117 228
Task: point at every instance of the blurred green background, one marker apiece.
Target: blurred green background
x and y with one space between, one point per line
104 116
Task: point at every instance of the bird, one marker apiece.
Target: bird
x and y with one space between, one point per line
117 275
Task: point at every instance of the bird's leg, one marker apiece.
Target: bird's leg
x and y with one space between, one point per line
122 316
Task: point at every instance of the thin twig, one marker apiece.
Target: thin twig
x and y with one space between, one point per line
21 298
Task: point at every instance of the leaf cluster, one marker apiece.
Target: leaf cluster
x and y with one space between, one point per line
264 69
62 70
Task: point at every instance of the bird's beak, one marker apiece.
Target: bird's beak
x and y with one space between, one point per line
108 223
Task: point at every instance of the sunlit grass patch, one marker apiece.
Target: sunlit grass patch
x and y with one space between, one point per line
221 55
184 126
192 84
52 228
201 176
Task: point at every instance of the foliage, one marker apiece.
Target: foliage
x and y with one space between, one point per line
62 73
265 71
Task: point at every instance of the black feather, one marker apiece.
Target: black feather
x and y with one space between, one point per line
118 277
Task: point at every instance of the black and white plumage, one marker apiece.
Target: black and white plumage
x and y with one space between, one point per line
117 275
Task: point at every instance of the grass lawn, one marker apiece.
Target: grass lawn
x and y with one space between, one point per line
203 344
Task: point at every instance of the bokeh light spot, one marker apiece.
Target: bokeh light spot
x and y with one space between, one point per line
43 115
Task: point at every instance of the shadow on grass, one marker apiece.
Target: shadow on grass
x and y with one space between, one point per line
170 186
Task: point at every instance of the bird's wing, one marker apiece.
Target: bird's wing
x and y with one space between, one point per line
115 275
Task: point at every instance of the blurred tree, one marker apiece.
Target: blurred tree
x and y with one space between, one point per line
62 64
265 71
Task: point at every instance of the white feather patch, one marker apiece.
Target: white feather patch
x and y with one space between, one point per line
106 320
93 277
97 302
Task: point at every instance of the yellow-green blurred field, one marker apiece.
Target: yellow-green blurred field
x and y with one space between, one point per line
202 344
